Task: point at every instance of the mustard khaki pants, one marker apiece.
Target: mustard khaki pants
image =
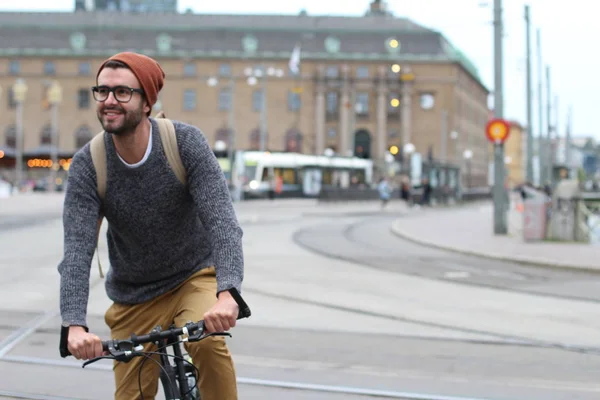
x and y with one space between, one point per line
188 302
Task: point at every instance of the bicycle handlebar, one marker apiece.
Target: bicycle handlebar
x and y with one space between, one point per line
122 350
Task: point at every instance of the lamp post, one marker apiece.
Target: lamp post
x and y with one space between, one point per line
231 136
256 75
408 149
468 155
19 90
454 136
54 98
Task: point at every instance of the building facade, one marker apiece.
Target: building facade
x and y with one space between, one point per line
364 84
127 5
515 154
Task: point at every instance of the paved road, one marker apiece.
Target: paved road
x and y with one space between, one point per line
330 322
369 241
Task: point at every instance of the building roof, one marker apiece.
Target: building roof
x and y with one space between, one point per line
103 33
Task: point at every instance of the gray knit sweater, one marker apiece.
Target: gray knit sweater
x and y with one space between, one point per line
159 232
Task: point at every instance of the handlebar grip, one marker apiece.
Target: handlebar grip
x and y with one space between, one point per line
64 340
244 309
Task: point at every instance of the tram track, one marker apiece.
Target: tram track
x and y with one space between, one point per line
349 233
374 260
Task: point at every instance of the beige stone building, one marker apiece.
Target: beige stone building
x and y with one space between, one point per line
515 154
402 78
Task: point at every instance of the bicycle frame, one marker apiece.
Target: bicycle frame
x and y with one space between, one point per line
176 373
171 375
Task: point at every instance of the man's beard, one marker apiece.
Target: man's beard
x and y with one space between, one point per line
131 119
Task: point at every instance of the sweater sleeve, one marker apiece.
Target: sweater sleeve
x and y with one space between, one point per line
208 187
80 218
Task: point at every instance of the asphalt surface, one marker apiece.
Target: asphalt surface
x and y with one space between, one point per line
293 351
368 241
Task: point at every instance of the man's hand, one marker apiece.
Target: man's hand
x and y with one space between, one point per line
222 316
84 345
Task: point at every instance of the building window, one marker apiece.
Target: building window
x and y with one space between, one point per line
85 68
46 136
225 99
332 71
11 99
83 99
362 72
189 69
82 136
331 133
189 100
222 135
49 68
11 136
294 101
254 140
14 67
257 100
332 102
362 104
293 141
225 70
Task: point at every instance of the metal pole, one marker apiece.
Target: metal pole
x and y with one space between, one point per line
444 138
568 143
19 152
263 111
500 199
549 151
469 173
529 110
556 126
54 148
541 142
231 140
352 120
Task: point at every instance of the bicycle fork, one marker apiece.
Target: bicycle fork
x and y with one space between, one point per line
173 375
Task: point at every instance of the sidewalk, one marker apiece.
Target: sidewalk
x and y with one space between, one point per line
470 230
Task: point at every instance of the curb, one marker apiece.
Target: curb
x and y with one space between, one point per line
519 260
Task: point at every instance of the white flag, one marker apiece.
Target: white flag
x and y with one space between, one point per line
295 60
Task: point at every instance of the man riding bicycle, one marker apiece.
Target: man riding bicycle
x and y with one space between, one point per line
175 250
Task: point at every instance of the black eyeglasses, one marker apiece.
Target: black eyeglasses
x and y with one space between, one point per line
122 94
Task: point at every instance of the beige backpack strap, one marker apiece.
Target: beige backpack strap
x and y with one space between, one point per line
169 142
98 152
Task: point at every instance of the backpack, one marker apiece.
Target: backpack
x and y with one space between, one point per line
168 138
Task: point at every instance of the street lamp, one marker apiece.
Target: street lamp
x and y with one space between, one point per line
19 91
468 155
454 136
230 146
408 149
254 75
54 99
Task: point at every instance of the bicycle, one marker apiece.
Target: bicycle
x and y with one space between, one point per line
179 379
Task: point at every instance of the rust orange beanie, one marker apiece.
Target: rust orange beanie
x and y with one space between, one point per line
147 71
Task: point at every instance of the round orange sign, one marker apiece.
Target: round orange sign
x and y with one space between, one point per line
497 131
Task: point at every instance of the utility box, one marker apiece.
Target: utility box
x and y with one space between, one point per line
535 215
564 217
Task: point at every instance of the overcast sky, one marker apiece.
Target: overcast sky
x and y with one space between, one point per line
565 27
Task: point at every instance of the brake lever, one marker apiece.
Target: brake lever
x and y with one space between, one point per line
93 360
199 337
